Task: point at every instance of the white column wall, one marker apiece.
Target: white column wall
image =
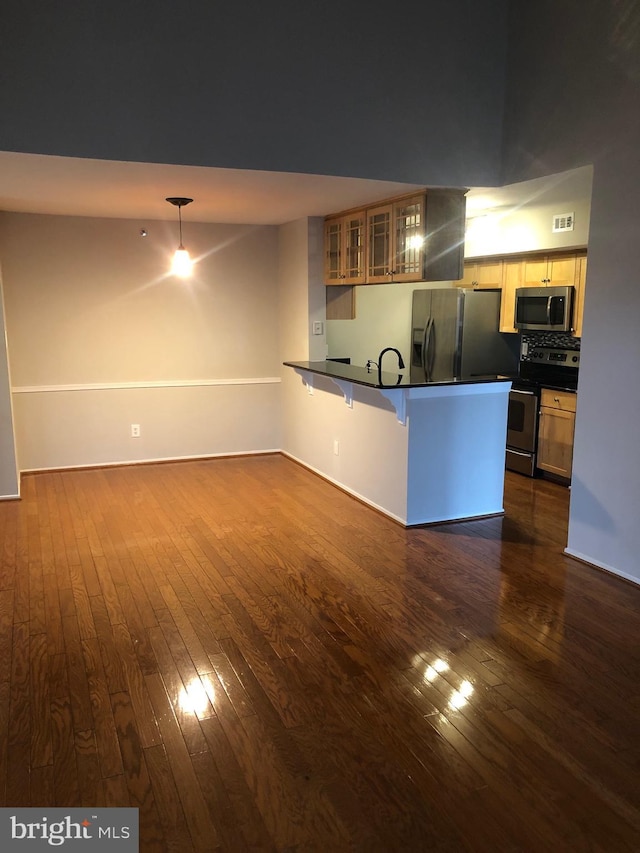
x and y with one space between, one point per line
9 486
334 439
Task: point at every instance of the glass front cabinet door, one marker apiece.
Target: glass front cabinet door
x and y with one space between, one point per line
396 241
344 240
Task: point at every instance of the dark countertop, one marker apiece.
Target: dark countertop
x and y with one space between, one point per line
390 379
537 384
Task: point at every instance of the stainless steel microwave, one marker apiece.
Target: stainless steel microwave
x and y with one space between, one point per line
544 309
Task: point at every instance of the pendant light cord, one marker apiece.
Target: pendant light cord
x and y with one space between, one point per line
179 202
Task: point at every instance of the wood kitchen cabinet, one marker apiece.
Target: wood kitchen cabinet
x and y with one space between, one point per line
482 274
344 249
418 238
555 269
512 271
413 238
550 270
578 307
555 432
395 241
542 270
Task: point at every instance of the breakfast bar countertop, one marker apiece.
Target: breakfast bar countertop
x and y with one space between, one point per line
370 377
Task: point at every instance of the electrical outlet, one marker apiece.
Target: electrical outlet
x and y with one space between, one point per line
135 430
336 447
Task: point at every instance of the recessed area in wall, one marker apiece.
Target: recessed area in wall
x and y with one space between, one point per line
517 217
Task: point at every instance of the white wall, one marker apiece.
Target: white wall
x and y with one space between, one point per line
8 464
605 491
301 292
518 217
100 337
314 422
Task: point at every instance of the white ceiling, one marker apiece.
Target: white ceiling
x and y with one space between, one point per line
34 183
70 186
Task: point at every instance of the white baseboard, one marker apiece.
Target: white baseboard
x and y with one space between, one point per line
154 461
598 565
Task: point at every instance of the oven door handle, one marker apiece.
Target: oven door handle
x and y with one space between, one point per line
518 391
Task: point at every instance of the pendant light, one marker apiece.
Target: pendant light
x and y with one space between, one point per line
182 263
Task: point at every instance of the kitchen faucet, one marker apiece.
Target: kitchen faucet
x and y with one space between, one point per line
400 361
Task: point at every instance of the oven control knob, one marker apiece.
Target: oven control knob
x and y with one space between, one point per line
575 358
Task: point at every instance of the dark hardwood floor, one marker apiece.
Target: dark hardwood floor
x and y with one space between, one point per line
257 662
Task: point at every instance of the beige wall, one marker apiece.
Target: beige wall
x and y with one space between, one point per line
301 290
99 338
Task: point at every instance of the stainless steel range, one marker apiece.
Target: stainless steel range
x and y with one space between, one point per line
549 365
549 361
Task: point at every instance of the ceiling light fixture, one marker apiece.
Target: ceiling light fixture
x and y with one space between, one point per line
182 263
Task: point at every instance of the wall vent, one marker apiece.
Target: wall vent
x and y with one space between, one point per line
562 222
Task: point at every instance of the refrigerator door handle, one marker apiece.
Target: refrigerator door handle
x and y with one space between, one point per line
425 344
431 355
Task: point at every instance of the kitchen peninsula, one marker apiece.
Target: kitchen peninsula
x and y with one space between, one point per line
421 452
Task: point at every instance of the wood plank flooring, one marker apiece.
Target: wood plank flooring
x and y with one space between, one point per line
256 661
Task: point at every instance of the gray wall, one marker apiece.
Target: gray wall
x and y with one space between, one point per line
355 89
574 98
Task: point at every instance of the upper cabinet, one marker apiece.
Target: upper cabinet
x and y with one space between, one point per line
344 242
409 239
540 270
550 270
482 274
395 241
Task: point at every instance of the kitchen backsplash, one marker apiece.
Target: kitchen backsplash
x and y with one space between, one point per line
557 340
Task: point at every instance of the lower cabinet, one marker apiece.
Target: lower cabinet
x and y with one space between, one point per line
555 432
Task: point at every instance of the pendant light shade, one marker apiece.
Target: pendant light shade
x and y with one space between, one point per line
182 264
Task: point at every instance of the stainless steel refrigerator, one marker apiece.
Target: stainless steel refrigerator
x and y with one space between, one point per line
455 335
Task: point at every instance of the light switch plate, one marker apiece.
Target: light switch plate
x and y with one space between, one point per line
318 327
